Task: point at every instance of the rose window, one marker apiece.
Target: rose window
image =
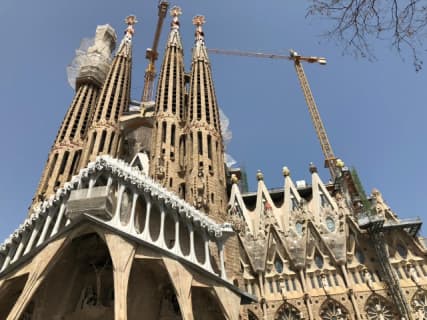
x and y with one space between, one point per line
333 311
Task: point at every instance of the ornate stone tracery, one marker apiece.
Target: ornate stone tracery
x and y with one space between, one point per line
378 308
419 305
332 310
287 312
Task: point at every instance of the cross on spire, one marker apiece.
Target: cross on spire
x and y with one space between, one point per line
130 21
175 12
199 21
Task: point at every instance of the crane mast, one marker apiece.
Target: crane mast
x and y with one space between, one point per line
330 159
151 55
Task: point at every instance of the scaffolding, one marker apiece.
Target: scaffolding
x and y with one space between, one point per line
376 227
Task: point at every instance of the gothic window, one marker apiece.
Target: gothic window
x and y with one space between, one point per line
318 260
278 264
377 308
287 312
402 250
419 304
332 310
299 227
330 224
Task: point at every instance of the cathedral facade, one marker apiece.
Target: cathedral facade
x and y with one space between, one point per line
136 216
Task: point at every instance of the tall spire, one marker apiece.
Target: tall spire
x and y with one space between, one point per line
168 147
64 157
199 49
205 159
104 133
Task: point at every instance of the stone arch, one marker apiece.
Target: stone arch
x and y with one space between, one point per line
80 284
333 310
287 312
205 304
419 304
10 292
151 292
379 308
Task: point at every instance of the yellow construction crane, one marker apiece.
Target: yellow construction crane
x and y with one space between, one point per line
151 55
330 159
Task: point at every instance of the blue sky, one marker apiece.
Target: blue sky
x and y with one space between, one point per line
374 112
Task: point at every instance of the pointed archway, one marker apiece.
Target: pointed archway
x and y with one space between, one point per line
80 285
333 310
287 312
10 292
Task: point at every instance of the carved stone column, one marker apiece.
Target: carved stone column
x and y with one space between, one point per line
122 254
230 302
181 280
38 271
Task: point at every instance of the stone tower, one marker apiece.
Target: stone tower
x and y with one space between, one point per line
205 173
65 155
104 132
168 140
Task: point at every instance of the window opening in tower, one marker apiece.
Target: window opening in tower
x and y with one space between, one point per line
76 159
164 131
55 158
64 162
173 135
102 143
207 104
209 146
92 143
200 142
111 142
167 76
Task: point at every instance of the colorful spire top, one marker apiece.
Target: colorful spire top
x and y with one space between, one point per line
175 13
130 21
199 21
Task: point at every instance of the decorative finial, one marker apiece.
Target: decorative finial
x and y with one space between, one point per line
199 21
175 12
130 21
339 163
286 172
234 179
259 175
313 168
